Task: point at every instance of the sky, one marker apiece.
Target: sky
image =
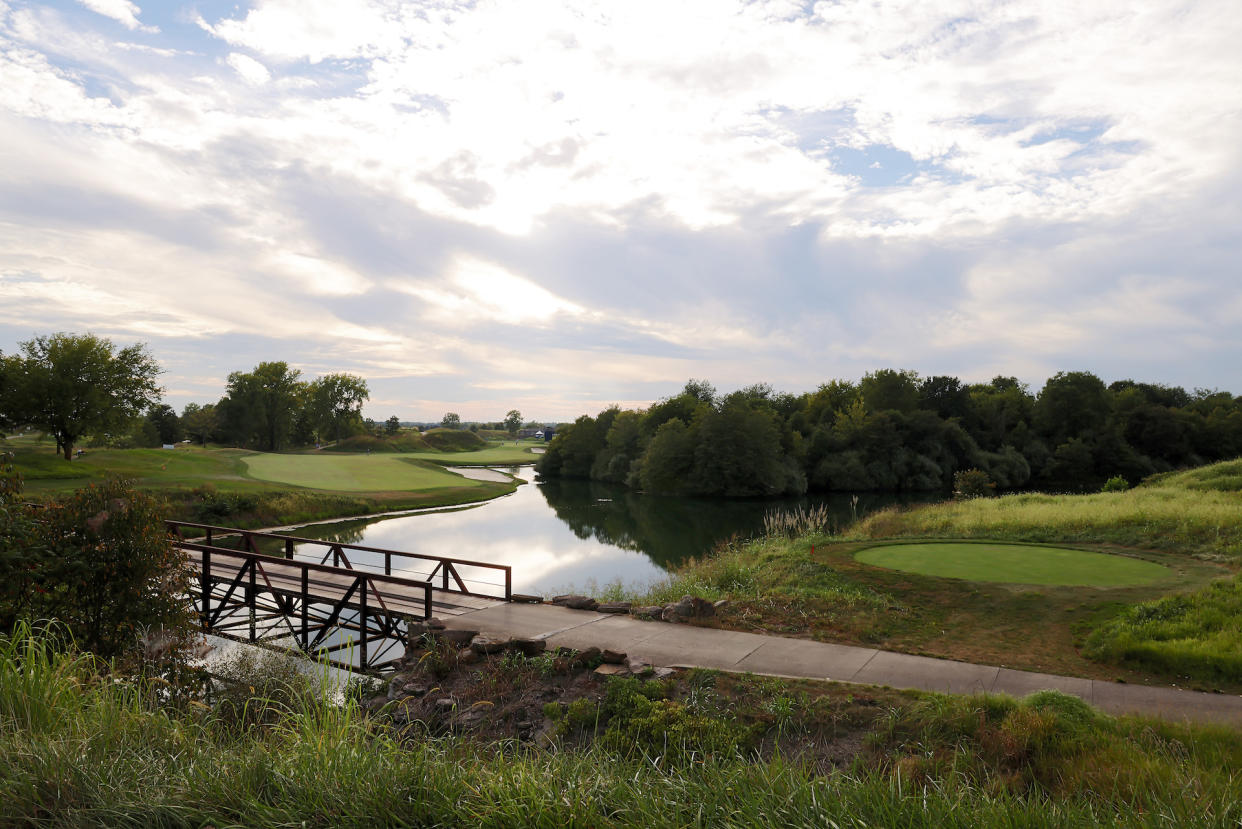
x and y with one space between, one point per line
558 206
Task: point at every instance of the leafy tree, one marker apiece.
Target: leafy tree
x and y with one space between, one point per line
972 483
20 557
946 396
259 406
335 403
200 423
70 385
669 462
889 389
451 420
9 372
1071 404
164 421
513 421
392 425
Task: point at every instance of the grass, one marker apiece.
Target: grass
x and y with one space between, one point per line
351 473
1014 564
1194 512
80 749
215 485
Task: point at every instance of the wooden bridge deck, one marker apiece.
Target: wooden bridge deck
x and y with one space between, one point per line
331 587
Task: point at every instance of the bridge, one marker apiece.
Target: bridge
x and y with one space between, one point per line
327 598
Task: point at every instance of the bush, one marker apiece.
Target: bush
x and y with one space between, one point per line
453 440
103 564
1115 484
972 483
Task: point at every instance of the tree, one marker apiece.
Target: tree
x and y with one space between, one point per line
513 421
451 420
1071 405
259 405
392 425
70 385
200 423
889 389
164 420
335 401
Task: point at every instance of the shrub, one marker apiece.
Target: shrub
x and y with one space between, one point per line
1115 484
972 483
107 569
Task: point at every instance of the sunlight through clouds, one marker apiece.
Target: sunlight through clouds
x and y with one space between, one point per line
604 199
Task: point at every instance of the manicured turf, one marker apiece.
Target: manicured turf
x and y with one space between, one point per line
1014 564
503 455
352 473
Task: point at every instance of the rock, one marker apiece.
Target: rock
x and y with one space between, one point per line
611 670
581 603
413 689
561 598
434 623
721 604
523 598
376 703
612 657
467 656
458 638
445 706
662 673
613 607
485 644
530 647
678 611
701 608
395 684
585 658
637 665
650 611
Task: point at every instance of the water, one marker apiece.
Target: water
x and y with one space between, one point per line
561 535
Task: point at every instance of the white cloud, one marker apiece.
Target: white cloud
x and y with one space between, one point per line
124 12
251 71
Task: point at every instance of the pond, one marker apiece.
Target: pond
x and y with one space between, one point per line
564 535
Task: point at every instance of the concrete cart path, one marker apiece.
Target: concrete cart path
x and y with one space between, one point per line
679 645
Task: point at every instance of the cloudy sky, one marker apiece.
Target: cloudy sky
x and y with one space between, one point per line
555 206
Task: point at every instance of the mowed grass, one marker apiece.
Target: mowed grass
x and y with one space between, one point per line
352 473
502 455
1014 564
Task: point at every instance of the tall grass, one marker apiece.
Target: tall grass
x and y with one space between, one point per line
80 750
1190 512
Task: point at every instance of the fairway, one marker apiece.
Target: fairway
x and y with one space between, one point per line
352 473
1014 564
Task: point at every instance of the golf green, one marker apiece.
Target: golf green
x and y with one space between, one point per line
1014 564
352 473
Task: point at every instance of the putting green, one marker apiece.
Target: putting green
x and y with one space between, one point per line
1014 564
352 473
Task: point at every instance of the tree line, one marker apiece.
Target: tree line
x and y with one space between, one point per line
74 385
896 431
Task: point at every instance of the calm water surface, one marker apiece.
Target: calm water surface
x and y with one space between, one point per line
560 535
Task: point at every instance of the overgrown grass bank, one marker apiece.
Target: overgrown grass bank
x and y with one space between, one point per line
1196 512
78 749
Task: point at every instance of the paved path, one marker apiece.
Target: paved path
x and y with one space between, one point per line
678 645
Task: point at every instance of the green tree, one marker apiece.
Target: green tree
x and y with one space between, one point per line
71 385
889 389
200 423
259 405
335 403
164 420
451 420
392 425
513 421
1071 405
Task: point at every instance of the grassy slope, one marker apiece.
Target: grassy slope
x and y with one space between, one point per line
1014 563
1190 522
78 751
214 485
351 473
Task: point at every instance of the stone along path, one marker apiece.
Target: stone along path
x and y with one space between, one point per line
680 645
